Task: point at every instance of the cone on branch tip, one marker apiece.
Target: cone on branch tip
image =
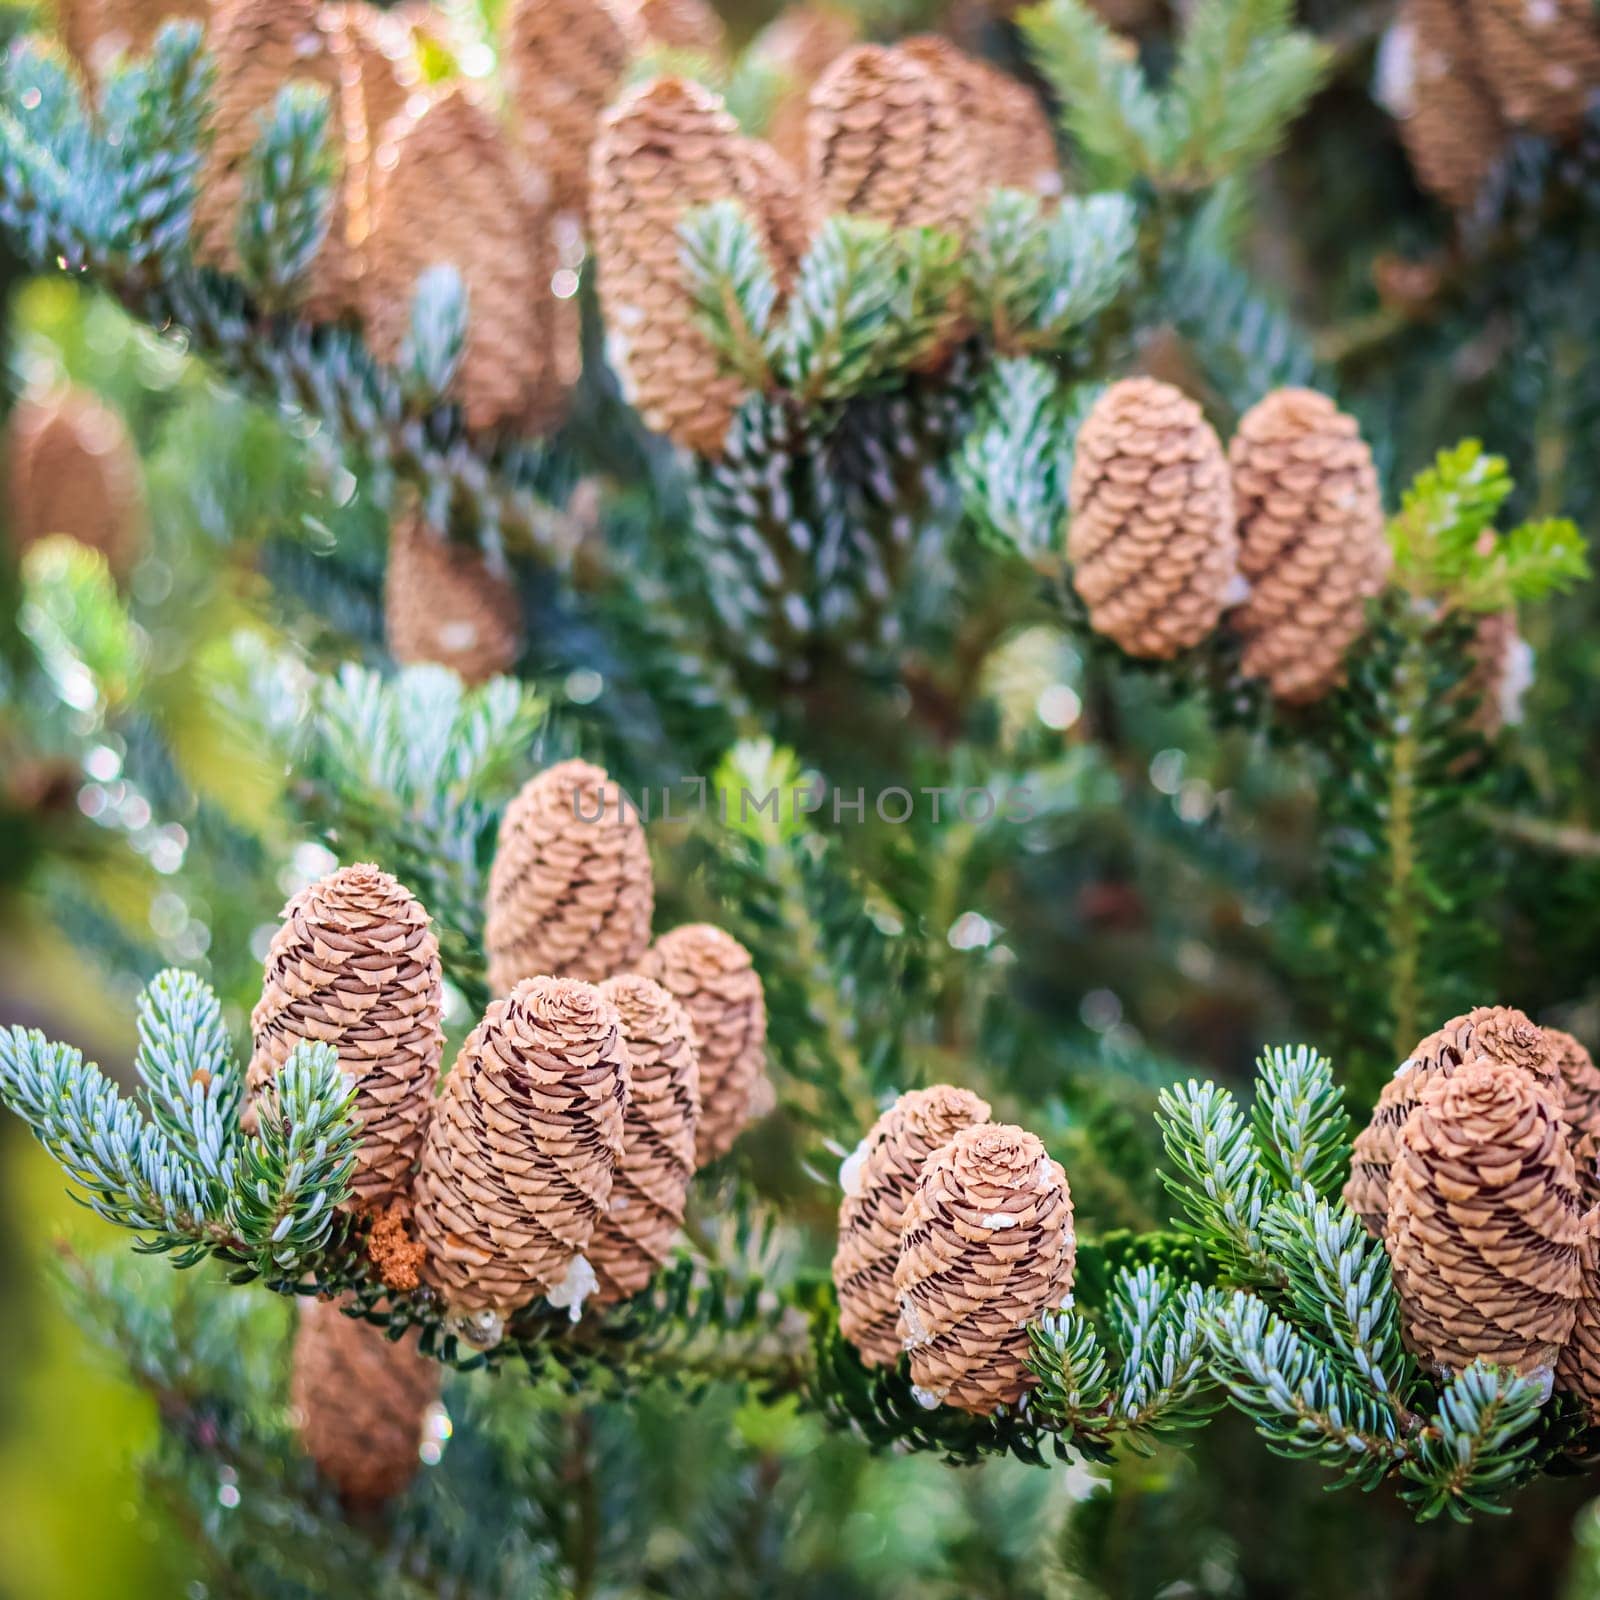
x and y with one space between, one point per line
98 33
444 602
1501 1034
987 1247
72 469
360 1403
259 47
879 1179
666 148
1541 59
783 207
1580 1104
634 1237
885 140
690 27
446 197
1485 1232
570 888
797 46
1448 118
712 974
1578 1366
1152 540
523 1149
355 964
1312 541
565 60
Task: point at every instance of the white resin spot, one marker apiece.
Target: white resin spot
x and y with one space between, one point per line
928 1399
579 1283
915 1332
997 1220
850 1170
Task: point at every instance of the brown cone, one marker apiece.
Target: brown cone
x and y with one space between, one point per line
1580 1104
1450 124
384 49
259 46
521 1153
1541 58
565 61
72 469
712 974
635 1235
355 965
449 197
885 140
666 148
988 1247
1152 537
879 1180
1578 1367
798 46
784 209
690 26
1501 1034
1311 540
1484 1228
443 602
570 891
1491 682
97 32
360 1402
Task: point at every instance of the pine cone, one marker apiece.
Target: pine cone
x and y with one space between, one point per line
1311 540
1484 1228
1541 59
355 965
785 210
381 50
879 1180
665 148
443 602
690 26
635 1236
258 47
712 974
523 1147
1580 1104
1009 131
1447 116
988 1246
565 61
1500 1034
797 47
1152 537
454 168
96 33
885 140
570 891
72 469
1578 1366
360 1403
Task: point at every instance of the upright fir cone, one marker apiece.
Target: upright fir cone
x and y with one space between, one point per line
1152 538
71 468
96 33
360 1403
382 48
1542 60
565 60
1578 1366
523 1148
666 147
355 965
691 27
258 47
988 1247
1580 1104
635 1235
879 1180
1311 540
448 197
1501 1034
570 890
442 601
1449 121
712 974
1010 134
1485 1232
784 208
797 47
885 139
1501 670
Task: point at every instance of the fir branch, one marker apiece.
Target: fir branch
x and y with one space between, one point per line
1161 1330
436 335
1477 1445
1302 1128
732 286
